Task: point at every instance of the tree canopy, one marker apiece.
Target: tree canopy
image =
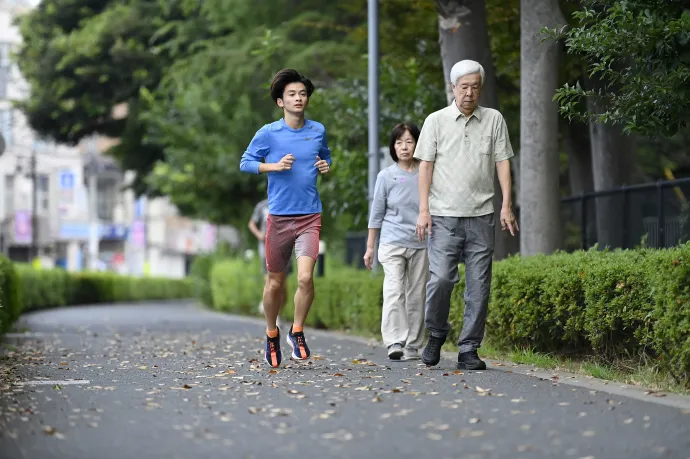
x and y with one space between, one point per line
640 51
84 57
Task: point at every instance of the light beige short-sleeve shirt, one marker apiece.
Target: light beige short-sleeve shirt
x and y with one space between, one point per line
465 151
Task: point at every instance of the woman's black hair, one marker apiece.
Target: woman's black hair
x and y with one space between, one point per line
398 131
284 78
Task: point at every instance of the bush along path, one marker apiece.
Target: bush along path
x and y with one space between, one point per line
176 381
23 289
622 307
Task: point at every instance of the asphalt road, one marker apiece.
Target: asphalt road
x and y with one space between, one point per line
176 381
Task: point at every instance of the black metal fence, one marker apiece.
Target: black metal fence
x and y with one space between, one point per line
651 215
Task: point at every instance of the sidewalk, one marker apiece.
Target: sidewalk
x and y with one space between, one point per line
174 381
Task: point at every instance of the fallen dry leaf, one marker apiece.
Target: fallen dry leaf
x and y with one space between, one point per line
342 435
474 421
52 431
470 433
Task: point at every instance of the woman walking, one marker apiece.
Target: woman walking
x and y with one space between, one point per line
403 257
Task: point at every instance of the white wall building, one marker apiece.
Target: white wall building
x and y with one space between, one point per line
26 155
134 236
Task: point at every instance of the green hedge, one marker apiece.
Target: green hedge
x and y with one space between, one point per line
346 298
607 304
9 295
23 288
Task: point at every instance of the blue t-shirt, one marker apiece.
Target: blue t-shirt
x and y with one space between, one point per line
291 192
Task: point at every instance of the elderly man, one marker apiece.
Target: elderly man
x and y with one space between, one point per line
458 147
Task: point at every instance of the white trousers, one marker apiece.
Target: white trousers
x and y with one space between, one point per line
406 273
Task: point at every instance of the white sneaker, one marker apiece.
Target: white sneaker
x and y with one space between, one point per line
395 351
410 354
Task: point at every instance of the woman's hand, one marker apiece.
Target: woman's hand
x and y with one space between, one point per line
369 258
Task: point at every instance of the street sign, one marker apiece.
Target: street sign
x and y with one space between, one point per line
66 180
67 184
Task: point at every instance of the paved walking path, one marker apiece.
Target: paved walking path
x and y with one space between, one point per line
171 380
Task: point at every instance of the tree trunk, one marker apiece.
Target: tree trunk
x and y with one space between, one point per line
540 221
612 153
577 146
463 34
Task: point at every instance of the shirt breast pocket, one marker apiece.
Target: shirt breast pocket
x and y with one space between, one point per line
485 146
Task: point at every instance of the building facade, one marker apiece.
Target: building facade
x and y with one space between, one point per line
70 206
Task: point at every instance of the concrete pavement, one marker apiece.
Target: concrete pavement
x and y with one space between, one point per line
171 380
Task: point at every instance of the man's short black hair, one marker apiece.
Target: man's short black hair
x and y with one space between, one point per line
284 78
399 131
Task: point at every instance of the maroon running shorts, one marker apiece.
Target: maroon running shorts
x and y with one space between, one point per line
283 232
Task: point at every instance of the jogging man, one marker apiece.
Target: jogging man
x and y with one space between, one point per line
294 151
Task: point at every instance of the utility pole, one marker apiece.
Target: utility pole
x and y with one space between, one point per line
373 61
33 254
93 206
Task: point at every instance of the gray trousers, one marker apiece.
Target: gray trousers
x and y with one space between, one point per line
455 240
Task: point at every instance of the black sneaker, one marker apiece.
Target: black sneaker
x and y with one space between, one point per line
470 361
432 352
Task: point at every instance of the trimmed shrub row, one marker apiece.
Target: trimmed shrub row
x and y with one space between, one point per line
607 304
23 288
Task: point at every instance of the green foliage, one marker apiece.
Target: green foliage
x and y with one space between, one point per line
9 294
237 286
43 288
200 273
671 337
609 305
640 50
23 288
